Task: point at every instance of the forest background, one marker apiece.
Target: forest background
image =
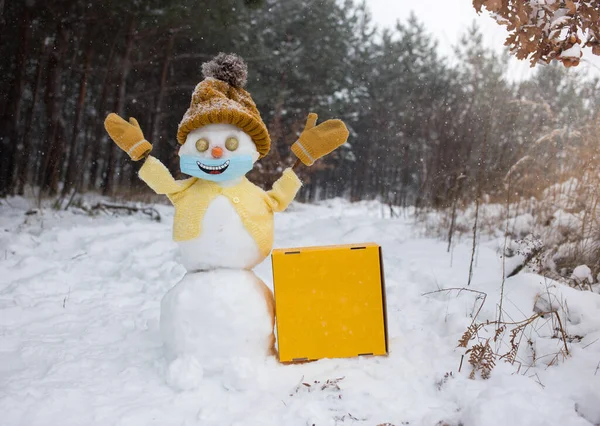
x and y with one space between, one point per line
426 132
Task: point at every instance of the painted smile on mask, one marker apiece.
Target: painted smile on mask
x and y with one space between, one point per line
213 170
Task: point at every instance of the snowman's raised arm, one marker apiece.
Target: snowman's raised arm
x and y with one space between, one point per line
128 136
284 191
158 177
317 141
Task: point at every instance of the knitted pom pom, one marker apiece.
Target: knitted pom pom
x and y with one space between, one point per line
227 67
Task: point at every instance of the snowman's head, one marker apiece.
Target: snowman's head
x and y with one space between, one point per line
218 152
222 133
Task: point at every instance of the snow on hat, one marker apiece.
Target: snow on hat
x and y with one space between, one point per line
221 99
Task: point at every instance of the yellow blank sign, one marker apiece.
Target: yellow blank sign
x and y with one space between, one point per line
329 302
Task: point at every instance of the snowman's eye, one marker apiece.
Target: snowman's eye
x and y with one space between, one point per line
201 145
232 144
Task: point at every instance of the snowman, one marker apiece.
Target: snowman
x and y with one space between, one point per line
219 318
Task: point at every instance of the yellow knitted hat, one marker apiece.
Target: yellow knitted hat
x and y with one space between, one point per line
221 99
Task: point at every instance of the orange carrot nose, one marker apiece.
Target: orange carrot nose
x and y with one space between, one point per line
217 152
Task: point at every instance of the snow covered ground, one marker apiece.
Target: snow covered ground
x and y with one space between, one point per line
79 339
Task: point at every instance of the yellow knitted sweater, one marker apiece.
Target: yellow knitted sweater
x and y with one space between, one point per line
191 198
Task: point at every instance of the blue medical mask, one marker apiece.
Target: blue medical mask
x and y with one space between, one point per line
216 170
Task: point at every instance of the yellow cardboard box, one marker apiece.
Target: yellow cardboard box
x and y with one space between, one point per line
329 302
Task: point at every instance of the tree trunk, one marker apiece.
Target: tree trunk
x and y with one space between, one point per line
11 117
156 116
2 20
99 124
27 157
54 144
111 164
74 158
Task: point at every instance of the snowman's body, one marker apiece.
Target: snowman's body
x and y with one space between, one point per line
223 243
235 319
220 312
212 320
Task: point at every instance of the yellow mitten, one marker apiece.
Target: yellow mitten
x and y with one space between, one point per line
128 136
317 141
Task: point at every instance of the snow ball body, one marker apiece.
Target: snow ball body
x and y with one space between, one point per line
220 315
223 242
211 318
